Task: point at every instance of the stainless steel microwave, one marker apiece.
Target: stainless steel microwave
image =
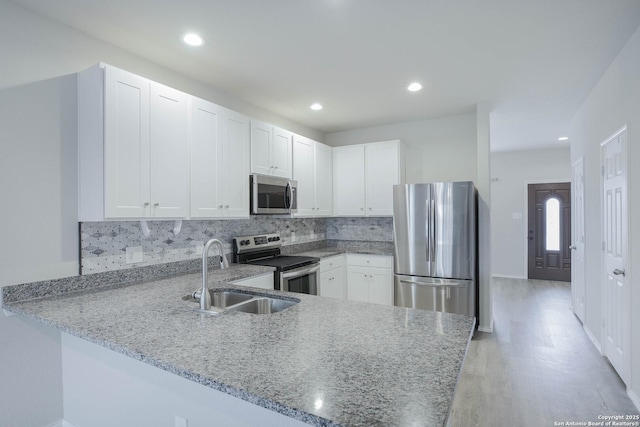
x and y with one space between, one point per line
272 196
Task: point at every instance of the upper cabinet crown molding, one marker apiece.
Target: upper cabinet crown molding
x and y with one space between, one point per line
364 176
271 150
133 147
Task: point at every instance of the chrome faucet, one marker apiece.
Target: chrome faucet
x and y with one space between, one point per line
205 298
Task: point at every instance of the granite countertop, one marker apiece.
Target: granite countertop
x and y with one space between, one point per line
372 364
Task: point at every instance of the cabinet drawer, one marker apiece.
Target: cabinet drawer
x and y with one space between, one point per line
378 261
331 262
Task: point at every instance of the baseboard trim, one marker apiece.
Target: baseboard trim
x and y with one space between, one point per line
634 398
593 339
61 423
508 276
488 329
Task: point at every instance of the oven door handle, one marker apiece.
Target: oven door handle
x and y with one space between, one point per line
297 273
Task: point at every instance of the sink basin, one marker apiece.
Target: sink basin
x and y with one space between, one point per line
262 305
246 302
224 299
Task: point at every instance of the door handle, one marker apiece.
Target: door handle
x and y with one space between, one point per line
619 272
572 247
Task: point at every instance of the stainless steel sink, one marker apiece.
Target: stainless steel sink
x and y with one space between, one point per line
224 299
263 305
246 302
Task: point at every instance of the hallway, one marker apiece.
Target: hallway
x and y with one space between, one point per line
538 367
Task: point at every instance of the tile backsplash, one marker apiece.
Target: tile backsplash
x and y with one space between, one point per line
104 244
372 229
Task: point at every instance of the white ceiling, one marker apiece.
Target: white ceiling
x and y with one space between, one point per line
534 61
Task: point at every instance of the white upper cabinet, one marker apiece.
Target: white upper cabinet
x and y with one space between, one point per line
382 172
235 163
348 180
271 150
364 176
219 140
312 169
205 139
126 143
168 152
133 147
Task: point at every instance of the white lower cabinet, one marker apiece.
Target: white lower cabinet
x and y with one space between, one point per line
264 281
370 278
332 282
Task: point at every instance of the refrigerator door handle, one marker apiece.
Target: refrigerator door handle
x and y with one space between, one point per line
448 283
432 231
428 228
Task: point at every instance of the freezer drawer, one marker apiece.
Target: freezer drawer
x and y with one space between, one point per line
426 293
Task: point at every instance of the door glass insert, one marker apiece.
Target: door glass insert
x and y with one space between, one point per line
552 224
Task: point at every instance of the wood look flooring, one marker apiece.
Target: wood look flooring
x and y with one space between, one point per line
538 367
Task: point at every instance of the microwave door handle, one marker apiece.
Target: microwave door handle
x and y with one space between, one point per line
290 193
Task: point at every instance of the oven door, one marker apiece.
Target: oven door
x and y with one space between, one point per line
303 280
273 196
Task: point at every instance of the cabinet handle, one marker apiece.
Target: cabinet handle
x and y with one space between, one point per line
361 209
331 278
226 206
146 204
155 205
370 209
220 207
275 167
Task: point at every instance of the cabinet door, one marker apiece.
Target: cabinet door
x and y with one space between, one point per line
332 283
169 184
381 175
358 284
234 164
261 137
381 286
206 141
281 153
126 145
303 166
348 183
323 180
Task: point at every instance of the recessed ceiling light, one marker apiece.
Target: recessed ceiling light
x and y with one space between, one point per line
316 107
563 138
414 87
193 39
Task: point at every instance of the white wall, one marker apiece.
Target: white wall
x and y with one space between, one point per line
441 149
103 388
510 172
38 192
613 103
30 373
483 184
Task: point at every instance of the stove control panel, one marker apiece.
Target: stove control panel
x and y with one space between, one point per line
254 243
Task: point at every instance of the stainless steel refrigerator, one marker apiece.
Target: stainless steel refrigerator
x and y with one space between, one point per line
435 235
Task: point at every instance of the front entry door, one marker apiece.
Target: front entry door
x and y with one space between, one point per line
550 231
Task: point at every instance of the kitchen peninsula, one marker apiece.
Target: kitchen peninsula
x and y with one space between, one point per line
322 361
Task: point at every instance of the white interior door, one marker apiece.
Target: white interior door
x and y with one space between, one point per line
577 240
617 295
